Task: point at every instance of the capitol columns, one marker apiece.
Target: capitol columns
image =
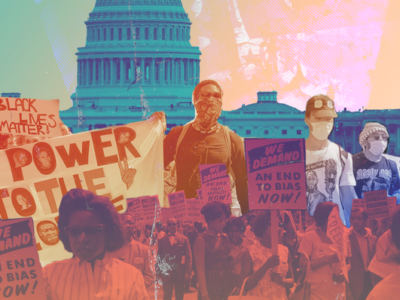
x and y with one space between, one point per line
167 71
194 71
112 72
102 72
187 72
93 71
162 71
133 70
182 73
87 65
152 70
121 71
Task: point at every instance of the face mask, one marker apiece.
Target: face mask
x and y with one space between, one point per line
378 147
321 130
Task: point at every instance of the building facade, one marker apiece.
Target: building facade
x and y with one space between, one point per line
137 59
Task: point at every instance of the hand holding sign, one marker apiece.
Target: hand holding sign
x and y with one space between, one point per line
160 116
127 173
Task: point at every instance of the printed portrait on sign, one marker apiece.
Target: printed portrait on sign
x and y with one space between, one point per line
20 158
23 202
48 232
314 196
44 158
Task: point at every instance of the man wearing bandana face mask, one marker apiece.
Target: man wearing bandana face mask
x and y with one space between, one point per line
332 164
206 142
371 169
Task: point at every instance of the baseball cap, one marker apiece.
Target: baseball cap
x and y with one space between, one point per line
322 106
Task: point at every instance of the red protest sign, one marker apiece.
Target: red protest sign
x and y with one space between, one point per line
177 203
215 183
276 173
20 271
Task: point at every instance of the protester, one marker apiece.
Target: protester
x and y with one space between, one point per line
266 281
291 239
235 229
90 228
319 253
389 288
363 246
329 168
205 141
174 261
249 234
159 233
133 252
211 252
145 240
199 227
191 233
372 170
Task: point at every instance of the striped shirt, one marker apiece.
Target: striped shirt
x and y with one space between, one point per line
137 255
111 279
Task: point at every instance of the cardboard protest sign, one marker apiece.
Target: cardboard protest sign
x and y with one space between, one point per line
177 203
150 206
117 162
134 206
193 208
336 234
276 173
30 117
20 269
215 183
376 204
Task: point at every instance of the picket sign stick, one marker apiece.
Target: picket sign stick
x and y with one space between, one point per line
274 231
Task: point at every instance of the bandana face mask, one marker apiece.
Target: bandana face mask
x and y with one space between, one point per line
208 112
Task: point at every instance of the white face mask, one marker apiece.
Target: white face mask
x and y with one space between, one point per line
378 147
321 130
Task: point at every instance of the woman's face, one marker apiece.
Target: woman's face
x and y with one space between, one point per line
86 246
21 200
218 224
45 160
234 235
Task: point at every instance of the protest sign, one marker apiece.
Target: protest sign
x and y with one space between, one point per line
150 207
276 173
193 208
200 197
177 204
376 204
134 206
20 269
166 214
117 162
30 117
336 234
215 183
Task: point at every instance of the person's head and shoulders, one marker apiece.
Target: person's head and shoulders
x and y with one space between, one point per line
235 229
373 140
319 116
207 100
389 287
359 227
90 228
215 214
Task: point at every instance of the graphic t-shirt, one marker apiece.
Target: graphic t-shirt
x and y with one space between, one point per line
374 176
198 148
326 171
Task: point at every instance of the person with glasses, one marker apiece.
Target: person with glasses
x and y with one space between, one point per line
205 141
372 170
174 261
90 228
133 252
332 165
271 275
318 255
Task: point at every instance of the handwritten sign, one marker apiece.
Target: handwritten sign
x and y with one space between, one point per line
20 269
134 206
193 208
376 204
150 206
117 162
276 173
215 183
336 234
177 203
24 116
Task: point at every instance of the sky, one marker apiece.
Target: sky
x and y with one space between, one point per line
344 48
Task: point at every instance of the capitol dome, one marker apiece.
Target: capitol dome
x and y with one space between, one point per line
137 54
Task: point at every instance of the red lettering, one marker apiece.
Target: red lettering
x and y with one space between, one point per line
124 137
51 117
31 107
3 212
2 106
99 146
18 158
82 158
90 176
47 187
